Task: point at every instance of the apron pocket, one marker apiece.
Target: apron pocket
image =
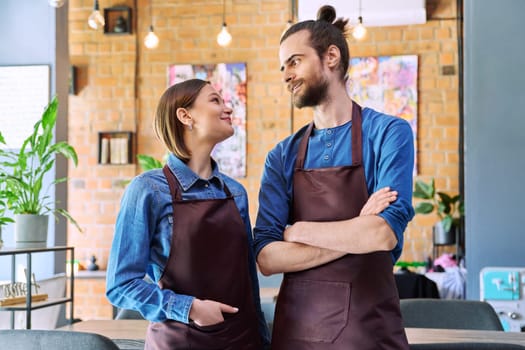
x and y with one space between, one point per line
315 311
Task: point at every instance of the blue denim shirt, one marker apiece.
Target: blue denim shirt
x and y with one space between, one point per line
142 241
388 159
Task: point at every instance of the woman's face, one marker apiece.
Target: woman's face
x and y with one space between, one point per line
212 119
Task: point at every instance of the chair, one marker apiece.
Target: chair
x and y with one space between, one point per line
466 346
32 339
449 314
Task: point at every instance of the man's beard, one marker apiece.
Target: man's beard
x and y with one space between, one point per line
313 95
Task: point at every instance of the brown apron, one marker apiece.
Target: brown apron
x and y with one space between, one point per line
350 303
209 260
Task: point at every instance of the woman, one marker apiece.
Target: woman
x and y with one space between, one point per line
187 228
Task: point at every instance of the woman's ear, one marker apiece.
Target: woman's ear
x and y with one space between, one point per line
184 117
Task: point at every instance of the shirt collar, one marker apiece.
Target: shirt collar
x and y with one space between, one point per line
187 178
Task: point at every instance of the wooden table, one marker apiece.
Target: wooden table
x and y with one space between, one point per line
136 330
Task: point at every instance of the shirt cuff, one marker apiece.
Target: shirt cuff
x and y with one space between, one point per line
179 308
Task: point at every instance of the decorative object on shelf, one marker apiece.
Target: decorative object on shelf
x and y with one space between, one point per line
448 208
151 41
115 147
16 292
24 170
92 266
224 38
95 20
230 81
117 20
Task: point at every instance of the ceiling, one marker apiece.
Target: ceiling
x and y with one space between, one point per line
375 13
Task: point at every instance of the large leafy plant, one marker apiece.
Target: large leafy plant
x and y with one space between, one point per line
24 169
448 208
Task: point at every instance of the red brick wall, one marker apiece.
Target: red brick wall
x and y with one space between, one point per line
120 82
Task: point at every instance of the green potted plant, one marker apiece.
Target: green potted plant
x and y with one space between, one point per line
448 208
4 194
24 170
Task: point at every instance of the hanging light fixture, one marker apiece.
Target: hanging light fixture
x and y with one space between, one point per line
292 17
96 20
359 31
56 3
224 38
151 41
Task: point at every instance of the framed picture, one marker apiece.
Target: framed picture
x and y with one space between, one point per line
230 81
387 84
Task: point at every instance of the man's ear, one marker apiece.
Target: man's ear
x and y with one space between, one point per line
183 115
332 56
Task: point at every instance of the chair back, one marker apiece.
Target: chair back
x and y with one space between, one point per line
449 314
33 339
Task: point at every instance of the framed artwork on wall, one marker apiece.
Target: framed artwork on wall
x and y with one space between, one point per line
387 84
230 81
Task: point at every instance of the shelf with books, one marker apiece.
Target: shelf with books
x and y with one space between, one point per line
115 147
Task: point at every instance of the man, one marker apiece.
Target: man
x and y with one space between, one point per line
338 290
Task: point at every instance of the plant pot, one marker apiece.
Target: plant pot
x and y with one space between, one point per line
442 237
31 230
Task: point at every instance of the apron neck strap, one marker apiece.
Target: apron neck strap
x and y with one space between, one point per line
174 185
356 139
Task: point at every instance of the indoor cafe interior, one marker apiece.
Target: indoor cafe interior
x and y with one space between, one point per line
450 68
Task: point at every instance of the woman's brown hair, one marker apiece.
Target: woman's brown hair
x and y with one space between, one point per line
168 128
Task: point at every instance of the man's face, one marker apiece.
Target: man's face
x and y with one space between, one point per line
303 70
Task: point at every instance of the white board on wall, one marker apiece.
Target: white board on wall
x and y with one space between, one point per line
24 95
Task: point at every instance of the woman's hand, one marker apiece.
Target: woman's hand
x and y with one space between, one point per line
378 201
209 312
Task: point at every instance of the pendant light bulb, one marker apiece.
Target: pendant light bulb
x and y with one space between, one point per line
359 31
56 3
96 20
224 38
151 41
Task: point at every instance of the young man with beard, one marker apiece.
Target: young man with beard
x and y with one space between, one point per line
336 253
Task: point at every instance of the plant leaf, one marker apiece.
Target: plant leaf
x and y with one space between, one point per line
148 162
423 190
424 208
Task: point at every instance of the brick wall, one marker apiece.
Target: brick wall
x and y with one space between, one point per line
120 82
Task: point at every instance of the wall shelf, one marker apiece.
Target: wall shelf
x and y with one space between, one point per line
115 147
117 20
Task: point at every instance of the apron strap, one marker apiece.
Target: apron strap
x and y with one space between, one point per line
357 139
174 185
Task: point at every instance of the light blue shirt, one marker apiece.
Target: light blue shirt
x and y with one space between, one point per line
388 159
142 241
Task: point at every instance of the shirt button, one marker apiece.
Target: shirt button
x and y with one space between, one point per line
326 157
329 144
329 132
206 185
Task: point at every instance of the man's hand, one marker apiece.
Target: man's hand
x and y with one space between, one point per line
209 312
378 201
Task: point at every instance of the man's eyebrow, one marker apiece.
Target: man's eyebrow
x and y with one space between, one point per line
290 59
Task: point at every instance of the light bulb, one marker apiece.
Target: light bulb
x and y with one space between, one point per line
151 40
359 31
96 20
56 3
224 38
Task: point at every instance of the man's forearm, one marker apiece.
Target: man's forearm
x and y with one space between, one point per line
278 257
360 235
